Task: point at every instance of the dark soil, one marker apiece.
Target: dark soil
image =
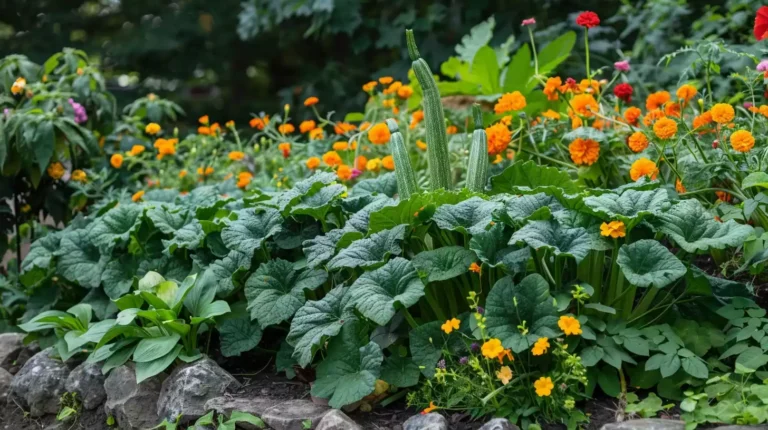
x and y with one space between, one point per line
13 417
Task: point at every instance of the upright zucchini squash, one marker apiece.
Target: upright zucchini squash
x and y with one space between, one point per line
406 179
477 172
434 118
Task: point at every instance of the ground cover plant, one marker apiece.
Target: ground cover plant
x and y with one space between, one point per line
549 243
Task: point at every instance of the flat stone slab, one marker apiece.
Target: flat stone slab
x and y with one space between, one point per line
646 424
254 406
337 420
292 414
431 421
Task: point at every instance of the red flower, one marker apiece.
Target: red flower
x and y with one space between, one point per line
761 23
589 19
624 92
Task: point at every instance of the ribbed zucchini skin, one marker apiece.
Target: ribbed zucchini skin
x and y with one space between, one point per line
406 178
434 118
477 171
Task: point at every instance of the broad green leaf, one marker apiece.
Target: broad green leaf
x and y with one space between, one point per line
318 204
83 312
753 358
148 369
416 209
591 355
383 184
153 348
79 260
695 367
222 273
530 178
44 144
317 321
212 310
631 207
117 277
41 252
492 249
427 343
244 417
520 209
322 248
370 251
443 263
276 290
116 226
251 229
188 237
350 370
485 70
575 242
519 71
479 36
556 52
755 179
168 218
380 293
286 200
150 280
401 372
647 263
694 229
470 216
118 358
509 304
238 335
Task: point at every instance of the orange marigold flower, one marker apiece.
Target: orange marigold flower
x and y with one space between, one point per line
360 162
584 104
614 229
205 131
236 155
576 122
136 150
365 126
652 116
388 103
379 134
742 141
679 187
79 176
632 114
370 86
388 162
152 128
450 325
332 158
638 141
165 147
340 146
657 100
584 151
259 123
672 109
510 102
343 127
243 179
550 114
763 110
499 138
116 161
722 113
589 86
344 172
393 88
569 325
207 172
316 134
386 80
421 144
137 195
182 173
307 125
723 196
665 128
404 92
544 386
702 120
416 118
428 410
643 167
476 268
686 92
313 162
56 170
204 120
311 101
285 148
551 88
18 86
286 128
452 129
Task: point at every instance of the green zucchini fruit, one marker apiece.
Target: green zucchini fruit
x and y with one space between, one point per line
434 118
406 178
477 171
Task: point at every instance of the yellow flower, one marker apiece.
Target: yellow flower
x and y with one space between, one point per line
182 173
569 325
722 113
543 386
388 162
56 171
638 141
551 88
116 161
431 408
665 128
643 167
584 151
742 141
368 87
165 147
230 124
386 80
541 346
510 102
243 179
492 348
450 325
421 144
344 172
550 114
236 155
137 196
207 172
686 92
474 267
313 162
152 128
499 138
79 176
26 208
614 229
584 104
332 158
504 374
505 354
340 146
136 150
379 134
311 101
18 86
373 165
316 134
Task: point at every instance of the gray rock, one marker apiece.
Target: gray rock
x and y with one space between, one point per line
88 382
10 346
226 405
5 384
39 384
290 415
22 357
762 427
337 420
499 424
430 421
133 405
646 424
185 392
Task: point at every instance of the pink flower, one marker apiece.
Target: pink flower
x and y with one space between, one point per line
356 173
622 66
529 21
763 66
748 105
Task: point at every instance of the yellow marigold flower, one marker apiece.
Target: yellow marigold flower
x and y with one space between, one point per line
722 113
18 86
259 123
657 100
79 176
393 88
569 325
643 167
499 159
652 116
204 120
370 86
504 375
340 146
552 87
207 172
510 102
286 128
332 158
452 129
550 114
702 120
388 103
313 163
476 268
584 151
541 346
499 138
152 128
679 186
236 155
742 141
450 325
373 164
243 179
344 172
632 115
365 126
763 110
614 229
360 162
492 348
26 208
430 409
506 120
584 104
311 101
116 161
404 92
182 173
307 125
637 141
136 150
686 92
165 147
543 386
421 144
316 134
379 134
137 195
56 171
388 162
665 128
386 80
230 124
